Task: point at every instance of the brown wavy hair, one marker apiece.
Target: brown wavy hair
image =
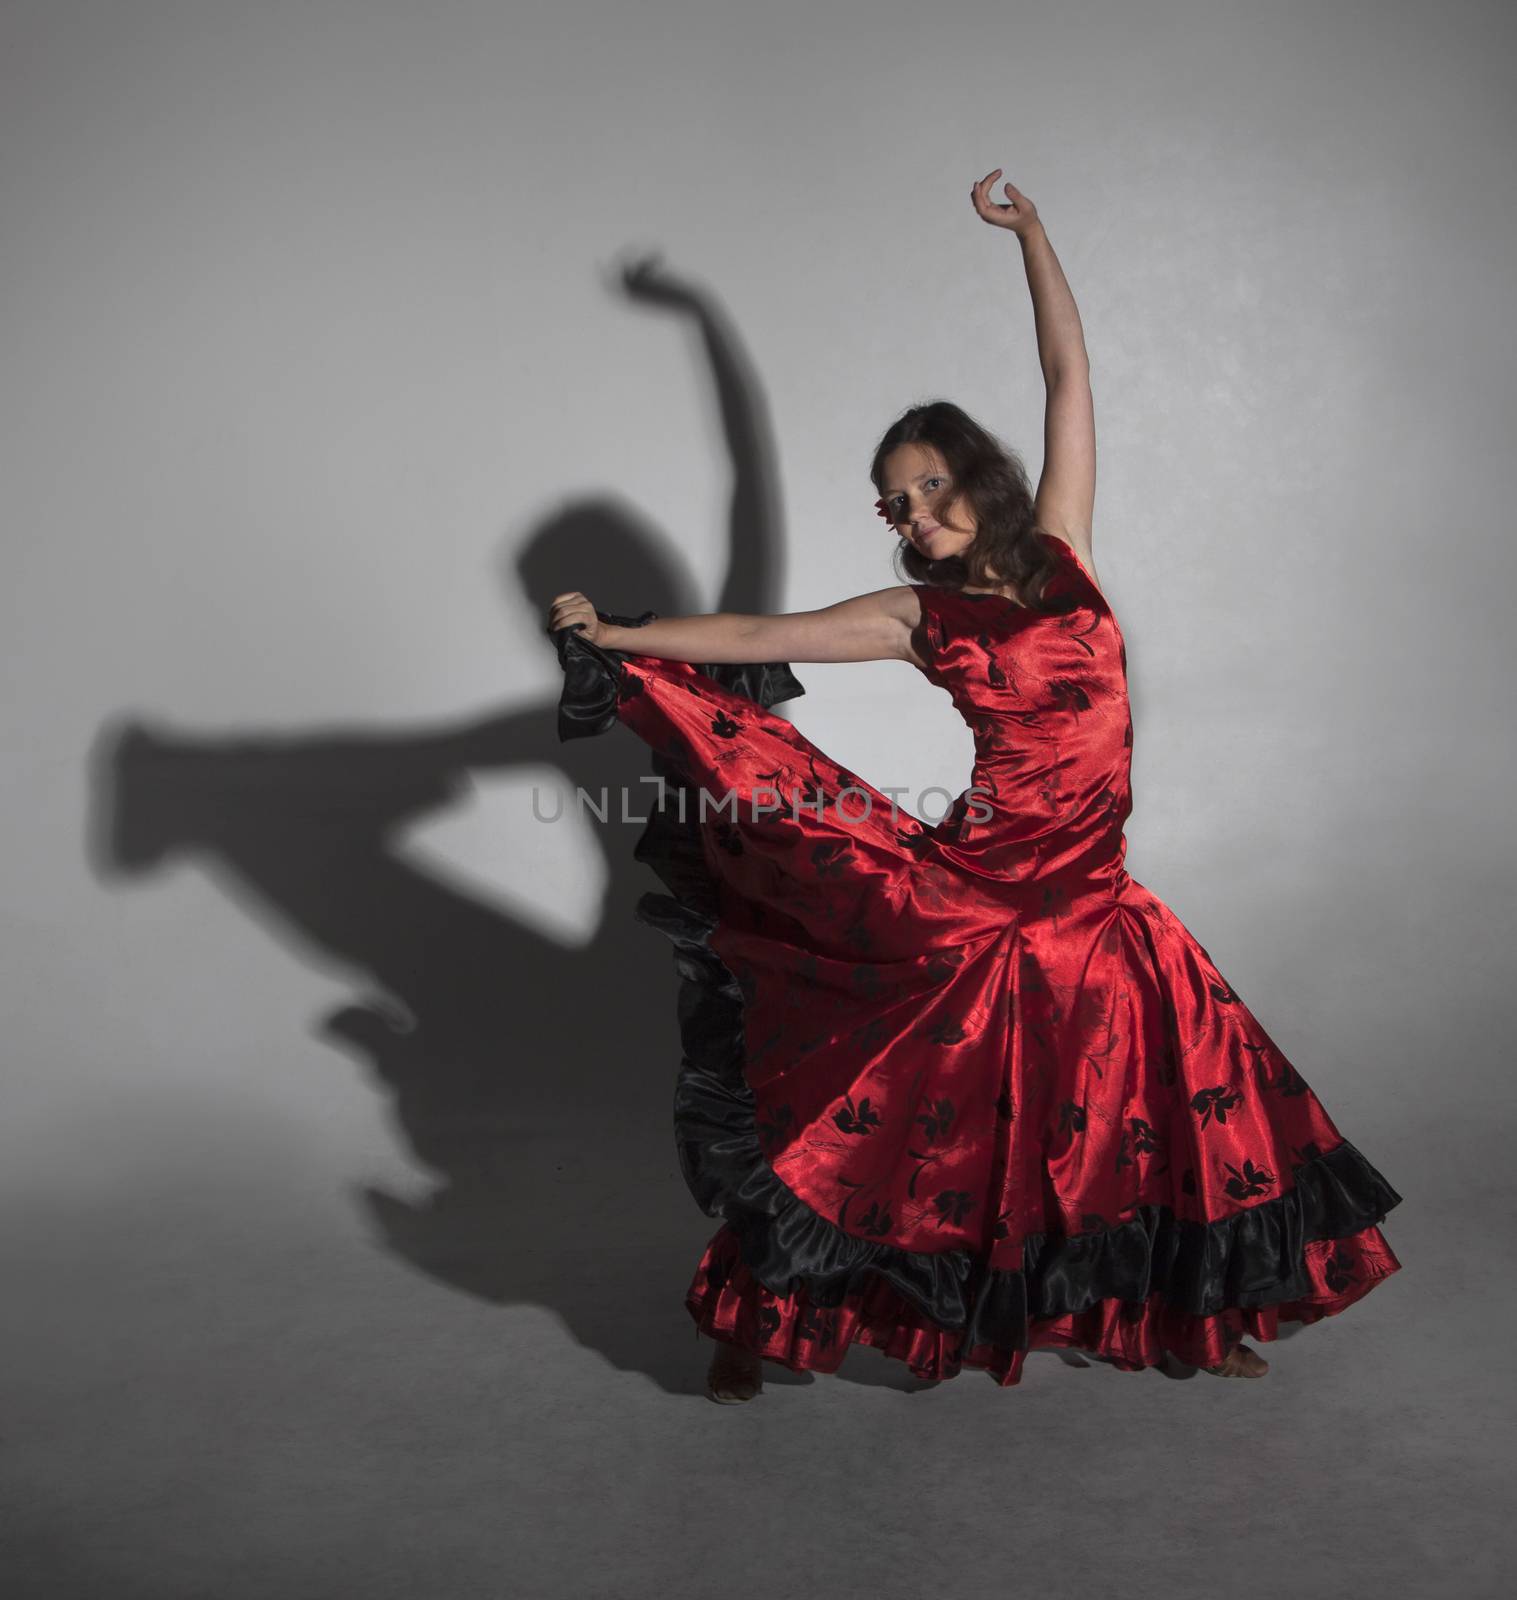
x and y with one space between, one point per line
991 477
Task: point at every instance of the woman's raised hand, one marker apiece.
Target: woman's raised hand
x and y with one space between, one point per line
1020 215
571 608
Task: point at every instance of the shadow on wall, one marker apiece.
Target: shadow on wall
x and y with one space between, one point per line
535 1081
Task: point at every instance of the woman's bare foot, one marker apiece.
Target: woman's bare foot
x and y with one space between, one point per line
735 1374
1241 1362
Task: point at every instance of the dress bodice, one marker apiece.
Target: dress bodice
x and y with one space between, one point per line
1045 695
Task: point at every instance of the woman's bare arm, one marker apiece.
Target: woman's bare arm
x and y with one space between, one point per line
1067 489
869 627
1066 497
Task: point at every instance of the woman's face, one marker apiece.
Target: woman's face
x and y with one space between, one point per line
923 504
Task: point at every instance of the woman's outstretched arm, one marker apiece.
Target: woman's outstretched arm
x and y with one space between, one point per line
869 627
1067 489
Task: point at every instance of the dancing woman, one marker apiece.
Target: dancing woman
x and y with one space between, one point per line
962 1089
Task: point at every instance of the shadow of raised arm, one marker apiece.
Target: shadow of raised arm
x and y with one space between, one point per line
754 577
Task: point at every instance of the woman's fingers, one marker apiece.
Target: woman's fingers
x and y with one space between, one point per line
987 207
1013 214
571 609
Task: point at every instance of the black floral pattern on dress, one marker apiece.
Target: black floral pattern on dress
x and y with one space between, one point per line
811 796
1215 1102
865 980
1077 635
1071 1117
1139 1139
952 1206
1290 1080
1054 900
829 857
861 1118
1249 1181
937 1120
942 965
1145 1136
1068 695
1287 1082
993 673
923 1159
877 1220
1338 1270
859 937
871 1033
1169 1060
993 738
818 1326
946 1031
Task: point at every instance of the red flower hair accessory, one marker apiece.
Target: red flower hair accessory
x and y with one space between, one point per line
880 507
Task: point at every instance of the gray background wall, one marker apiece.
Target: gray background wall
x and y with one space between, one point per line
319 376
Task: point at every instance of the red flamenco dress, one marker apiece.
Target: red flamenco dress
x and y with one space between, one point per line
965 1090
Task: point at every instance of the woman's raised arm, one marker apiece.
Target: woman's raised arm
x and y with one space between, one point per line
869 627
1067 489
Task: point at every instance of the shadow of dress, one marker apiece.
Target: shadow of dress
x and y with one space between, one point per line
963 1090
